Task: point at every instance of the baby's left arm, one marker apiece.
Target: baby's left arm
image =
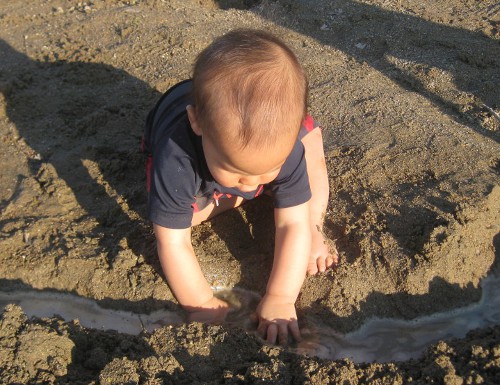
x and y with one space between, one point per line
321 256
276 311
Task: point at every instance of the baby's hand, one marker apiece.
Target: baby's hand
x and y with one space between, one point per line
322 256
277 316
213 311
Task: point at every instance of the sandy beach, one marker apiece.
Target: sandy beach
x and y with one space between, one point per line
408 95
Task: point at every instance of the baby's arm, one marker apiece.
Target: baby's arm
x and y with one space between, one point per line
276 310
320 257
184 275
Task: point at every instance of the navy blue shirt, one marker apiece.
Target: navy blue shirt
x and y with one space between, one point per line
179 181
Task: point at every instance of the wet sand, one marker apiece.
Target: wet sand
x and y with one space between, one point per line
408 98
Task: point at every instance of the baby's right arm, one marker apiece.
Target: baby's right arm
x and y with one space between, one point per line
184 275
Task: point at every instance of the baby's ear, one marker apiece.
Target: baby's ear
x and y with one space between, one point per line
193 120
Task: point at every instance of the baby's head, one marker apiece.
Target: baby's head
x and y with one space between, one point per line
249 94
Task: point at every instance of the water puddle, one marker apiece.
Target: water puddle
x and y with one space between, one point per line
378 340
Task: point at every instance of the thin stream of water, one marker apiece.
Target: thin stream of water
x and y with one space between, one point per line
89 314
378 340
389 339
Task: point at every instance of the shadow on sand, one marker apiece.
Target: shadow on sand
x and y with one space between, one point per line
71 113
402 47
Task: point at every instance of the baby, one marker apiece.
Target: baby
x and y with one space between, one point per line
237 129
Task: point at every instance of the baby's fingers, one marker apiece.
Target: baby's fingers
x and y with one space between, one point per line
277 332
274 332
321 262
312 267
331 262
294 330
262 328
333 257
268 331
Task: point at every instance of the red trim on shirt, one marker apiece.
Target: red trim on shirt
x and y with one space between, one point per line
259 191
218 196
308 123
149 167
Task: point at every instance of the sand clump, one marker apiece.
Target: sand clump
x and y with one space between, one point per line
408 97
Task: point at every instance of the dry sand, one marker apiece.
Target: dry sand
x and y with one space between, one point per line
408 94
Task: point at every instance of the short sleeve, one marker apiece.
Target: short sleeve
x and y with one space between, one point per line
308 124
291 187
173 187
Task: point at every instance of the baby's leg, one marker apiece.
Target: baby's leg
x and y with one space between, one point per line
322 256
213 210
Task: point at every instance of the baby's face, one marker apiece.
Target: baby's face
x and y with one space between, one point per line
244 169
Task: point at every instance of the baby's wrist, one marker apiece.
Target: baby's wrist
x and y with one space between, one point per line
213 311
279 299
212 303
